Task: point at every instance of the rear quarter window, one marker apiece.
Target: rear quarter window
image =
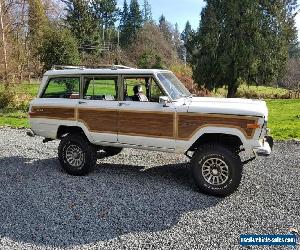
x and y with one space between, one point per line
62 87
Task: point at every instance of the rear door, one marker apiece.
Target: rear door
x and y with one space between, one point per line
145 123
98 107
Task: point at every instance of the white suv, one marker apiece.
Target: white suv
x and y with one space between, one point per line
113 108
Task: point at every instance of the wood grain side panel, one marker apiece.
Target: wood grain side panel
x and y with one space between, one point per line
157 124
188 125
53 113
99 120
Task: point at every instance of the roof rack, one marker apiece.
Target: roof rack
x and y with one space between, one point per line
112 67
120 67
58 67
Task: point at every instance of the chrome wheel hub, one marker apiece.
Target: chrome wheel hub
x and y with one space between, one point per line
74 156
215 171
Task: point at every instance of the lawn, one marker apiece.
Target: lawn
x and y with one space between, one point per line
284 118
255 92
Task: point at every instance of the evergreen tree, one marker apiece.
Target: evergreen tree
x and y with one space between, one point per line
242 41
124 25
147 12
37 22
37 27
165 28
124 16
59 47
135 17
131 22
82 22
186 33
106 12
294 50
186 37
177 41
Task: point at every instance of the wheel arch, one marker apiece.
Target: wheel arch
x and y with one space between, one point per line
64 130
228 139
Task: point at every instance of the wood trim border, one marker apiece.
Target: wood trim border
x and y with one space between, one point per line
233 121
178 125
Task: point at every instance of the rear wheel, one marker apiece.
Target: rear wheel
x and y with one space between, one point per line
76 154
216 169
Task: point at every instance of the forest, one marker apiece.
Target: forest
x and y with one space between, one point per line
249 42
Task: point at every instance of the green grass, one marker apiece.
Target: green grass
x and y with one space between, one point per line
14 122
249 91
284 119
13 118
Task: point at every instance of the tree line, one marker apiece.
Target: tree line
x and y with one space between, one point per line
249 41
39 34
243 41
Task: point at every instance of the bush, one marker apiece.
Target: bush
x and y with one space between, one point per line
144 61
181 69
21 102
6 99
192 87
12 101
59 47
262 92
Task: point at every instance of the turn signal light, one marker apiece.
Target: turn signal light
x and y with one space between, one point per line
253 125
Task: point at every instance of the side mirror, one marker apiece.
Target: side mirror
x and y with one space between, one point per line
164 100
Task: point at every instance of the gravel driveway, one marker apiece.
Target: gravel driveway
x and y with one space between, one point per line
137 199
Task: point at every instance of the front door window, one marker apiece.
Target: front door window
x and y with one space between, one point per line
141 89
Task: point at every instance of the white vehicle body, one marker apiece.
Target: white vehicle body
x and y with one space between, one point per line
171 125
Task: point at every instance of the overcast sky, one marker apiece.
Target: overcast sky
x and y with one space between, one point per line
179 11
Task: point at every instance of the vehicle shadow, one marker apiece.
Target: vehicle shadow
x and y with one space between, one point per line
42 205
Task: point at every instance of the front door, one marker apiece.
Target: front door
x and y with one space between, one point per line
143 121
98 108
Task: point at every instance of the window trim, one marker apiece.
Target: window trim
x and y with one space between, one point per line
60 76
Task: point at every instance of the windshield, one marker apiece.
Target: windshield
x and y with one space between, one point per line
173 86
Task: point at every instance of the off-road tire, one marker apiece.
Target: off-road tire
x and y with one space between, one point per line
88 154
208 154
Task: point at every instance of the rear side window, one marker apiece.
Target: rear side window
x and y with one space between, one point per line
100 88
63 87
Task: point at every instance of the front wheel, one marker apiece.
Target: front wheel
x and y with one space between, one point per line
76 154
216 169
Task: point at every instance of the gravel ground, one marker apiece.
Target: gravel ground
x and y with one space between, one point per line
137 200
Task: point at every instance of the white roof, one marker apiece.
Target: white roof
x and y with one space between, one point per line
86 71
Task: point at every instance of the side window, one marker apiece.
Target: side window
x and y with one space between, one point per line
63 87
143 89
100 88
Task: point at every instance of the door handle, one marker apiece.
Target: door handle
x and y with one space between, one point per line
123 104
81 102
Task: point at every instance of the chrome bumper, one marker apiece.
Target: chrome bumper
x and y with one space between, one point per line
266 148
